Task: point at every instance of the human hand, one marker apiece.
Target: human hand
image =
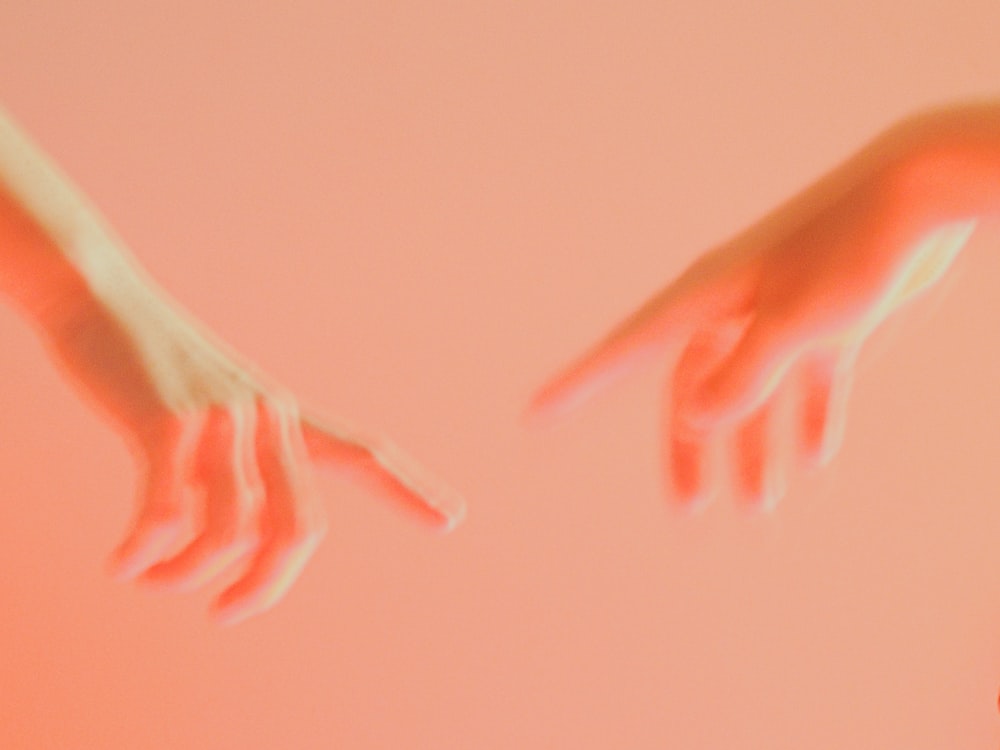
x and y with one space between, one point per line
227 455
784 306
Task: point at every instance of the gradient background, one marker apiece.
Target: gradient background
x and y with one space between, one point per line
412 213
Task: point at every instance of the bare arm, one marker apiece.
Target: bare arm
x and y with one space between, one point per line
197 415
53 242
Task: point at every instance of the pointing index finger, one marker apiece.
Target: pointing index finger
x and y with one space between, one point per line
669 316
378 464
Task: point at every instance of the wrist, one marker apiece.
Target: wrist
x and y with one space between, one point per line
949 167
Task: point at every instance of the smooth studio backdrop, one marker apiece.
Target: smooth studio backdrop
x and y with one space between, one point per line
411 213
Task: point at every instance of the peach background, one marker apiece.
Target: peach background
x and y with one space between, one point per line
412 213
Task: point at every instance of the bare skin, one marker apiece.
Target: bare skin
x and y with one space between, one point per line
226 455
787 304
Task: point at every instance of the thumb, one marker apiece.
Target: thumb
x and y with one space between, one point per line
746 376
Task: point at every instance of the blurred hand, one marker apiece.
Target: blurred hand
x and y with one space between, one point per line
786 305
227 455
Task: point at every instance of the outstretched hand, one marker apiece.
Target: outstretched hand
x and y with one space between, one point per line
786 305
227 456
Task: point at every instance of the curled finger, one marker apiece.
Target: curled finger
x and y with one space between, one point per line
292 522
163 517
227 473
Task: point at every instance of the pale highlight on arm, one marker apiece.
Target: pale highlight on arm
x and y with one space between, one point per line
225 455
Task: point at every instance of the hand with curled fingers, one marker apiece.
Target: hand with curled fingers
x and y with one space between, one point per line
785 306
228 457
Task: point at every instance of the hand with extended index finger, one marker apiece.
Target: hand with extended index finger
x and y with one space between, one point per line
783 307
228 457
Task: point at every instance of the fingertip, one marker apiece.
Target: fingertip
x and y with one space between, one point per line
231 607
161 578
821 456
442 516
535 416
573 388
813 460
226 616
768 502
126 562
545 408
689 502
454 518
691 506
117 569
825 458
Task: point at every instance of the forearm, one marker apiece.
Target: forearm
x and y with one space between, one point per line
54 246
923 185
